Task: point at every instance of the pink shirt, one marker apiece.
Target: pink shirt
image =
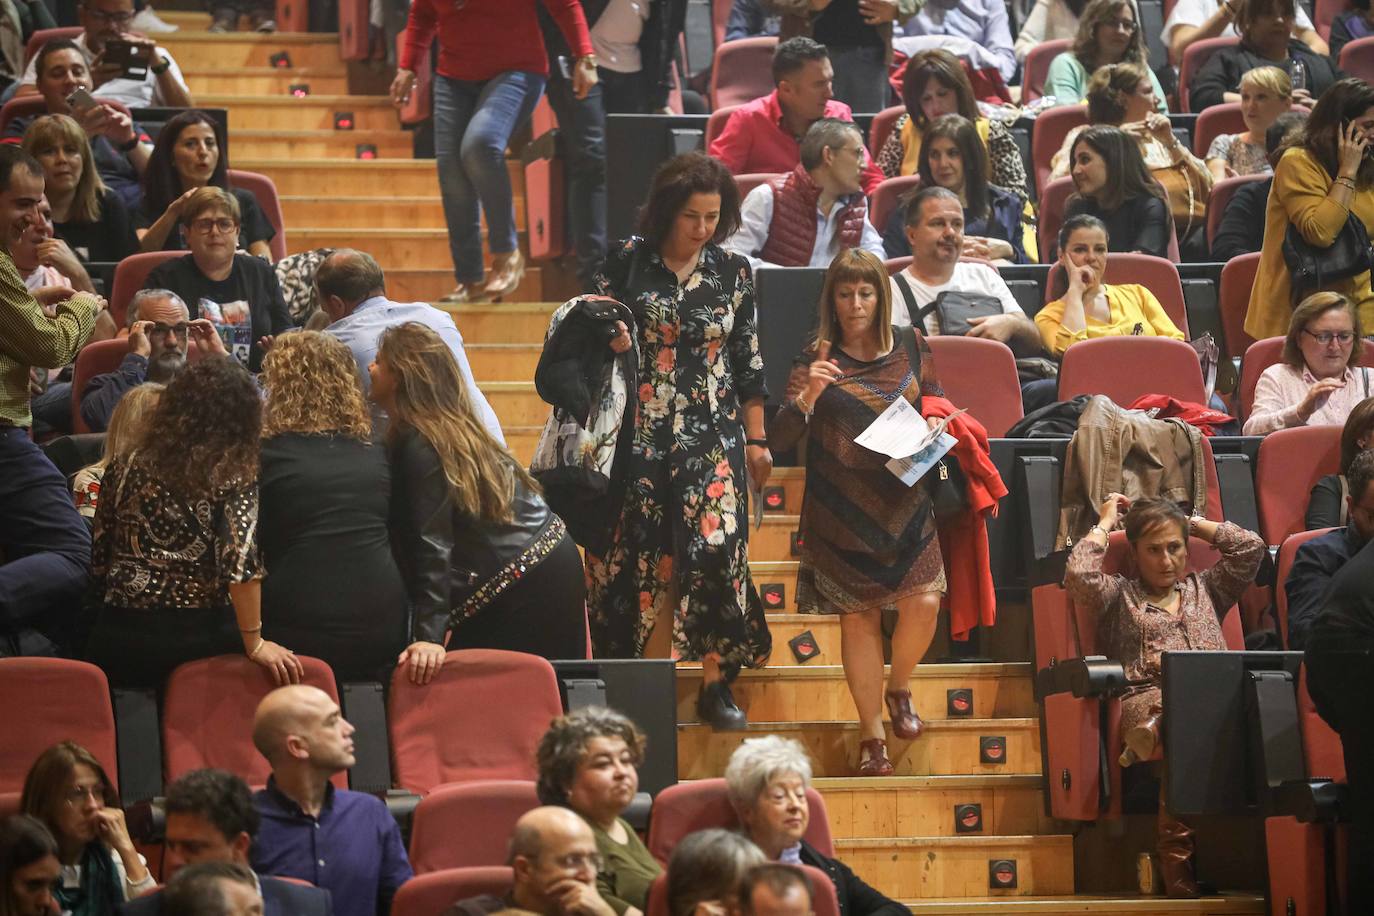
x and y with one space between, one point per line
754 140
1281 389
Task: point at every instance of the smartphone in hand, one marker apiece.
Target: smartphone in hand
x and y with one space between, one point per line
135 59
80 100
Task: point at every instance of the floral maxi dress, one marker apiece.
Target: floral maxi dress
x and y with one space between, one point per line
685 514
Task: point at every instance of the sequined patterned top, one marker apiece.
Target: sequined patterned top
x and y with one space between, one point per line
153 548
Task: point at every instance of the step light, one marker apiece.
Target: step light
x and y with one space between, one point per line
774 595
968 818
774 499
343 120
299 90
992 749
804 647
365 151
1001 874
959 702
281 60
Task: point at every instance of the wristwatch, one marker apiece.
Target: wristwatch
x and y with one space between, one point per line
130 146
589 59
162 66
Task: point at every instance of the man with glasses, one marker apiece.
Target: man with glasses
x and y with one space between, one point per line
805 218
159 330
162 85
554 858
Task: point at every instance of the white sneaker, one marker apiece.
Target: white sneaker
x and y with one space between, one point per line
149 21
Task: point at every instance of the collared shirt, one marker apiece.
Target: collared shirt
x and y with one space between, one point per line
1281 389
984 22
28 337
144 93
756 216
353 849
1309 580
754 140
364 326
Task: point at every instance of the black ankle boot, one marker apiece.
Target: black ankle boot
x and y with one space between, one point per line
716 706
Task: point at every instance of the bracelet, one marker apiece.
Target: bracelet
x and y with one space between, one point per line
256 629
161 67
588 59
1348 182
800 403
761 443
130 146
256 649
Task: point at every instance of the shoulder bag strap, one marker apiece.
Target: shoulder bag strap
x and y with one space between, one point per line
917 314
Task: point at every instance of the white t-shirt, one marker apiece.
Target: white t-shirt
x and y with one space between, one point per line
615 35
145 93
977 279
1195 12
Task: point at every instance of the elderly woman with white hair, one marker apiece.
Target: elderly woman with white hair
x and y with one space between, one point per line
767 779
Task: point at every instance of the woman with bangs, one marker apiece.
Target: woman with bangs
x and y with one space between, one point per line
869 541
1108 33
332 588
87 215
486 563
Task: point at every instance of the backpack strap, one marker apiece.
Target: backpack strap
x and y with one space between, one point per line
918 314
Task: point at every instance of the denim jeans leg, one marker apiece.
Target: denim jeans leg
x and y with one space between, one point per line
504 102
52 410
454 103
583 124
860 78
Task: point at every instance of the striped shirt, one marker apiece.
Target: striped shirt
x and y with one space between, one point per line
30 338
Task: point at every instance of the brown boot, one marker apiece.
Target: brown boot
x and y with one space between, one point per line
1140 742
1175 850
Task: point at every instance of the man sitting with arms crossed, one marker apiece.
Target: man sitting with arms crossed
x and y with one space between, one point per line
803 219
211 818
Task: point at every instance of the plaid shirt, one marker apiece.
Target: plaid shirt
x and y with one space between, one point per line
28 337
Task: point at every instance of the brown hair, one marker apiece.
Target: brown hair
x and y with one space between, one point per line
936 64
45 785
1127 176
1359 423
312 387
564 745
854 265
1152 512
208 198
49 131
1109 89
1247 11
674 184
1343 101
960 131
1309 310
1100 12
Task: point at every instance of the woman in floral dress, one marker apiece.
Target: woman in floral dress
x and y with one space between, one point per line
681 540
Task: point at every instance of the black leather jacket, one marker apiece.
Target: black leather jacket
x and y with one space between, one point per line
445 555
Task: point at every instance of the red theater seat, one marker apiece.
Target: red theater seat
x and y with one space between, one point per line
1288 551
702 803
1194 57
887 198
468 824
881 128
742 71
1053 197
752 180
432 894
1051 127
38 39
47 700
1038 67
1124 368
1357 57
1290 462
130 276
266 193
94 359
981 375
1233 301
1222 192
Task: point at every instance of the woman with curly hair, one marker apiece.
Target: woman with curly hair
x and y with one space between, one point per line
174 553
332 588
1108 33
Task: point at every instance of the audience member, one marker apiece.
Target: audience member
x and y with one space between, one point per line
491 70
705 872
345 842
933 84
751 19
589 761
1195 20
67 789
1349 25
1108 33
1266 93
352 293
212 889
487 564
767 779
224 15
87 215
1114 185
1266 39
1327 507
1241 230
776 890
765 135
44 261
869 539
1317 561
983 22
677 544
1320 380
1091 307
332 589
1322 179
1049 20
211 818
555 860
46 545
129 423
159 329
192 484
1127 611
120 147
953 158
189 155
237 291
805 218
29 867
103 21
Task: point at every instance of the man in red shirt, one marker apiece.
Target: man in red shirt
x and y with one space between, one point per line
765 135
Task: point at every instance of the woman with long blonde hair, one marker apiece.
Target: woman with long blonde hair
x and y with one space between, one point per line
481 553
127 425
332 588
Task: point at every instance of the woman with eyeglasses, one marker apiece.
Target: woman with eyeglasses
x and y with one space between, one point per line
1266 39
220 283
1108 33
1320 379
67 790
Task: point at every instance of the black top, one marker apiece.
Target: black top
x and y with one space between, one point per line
279 898
841 25
1345 28
251 280
1326 505
1346 619
110 238
114 167
1242 225
855 897
253 224
1139 224
1223 70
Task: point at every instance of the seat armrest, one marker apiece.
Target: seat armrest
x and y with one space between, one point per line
401 804
1312 801
1093 676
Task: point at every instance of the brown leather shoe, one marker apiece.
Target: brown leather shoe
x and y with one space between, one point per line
507 270
1175 850
1140 742
905 723
873 759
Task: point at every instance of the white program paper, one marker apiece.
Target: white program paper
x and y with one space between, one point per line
902 434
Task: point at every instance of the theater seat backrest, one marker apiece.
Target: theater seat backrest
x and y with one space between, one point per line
1220 199
1125 368
715 124
1290 462
887 198
1233 300
742 71
130 276
751 180
1037 67
1195 57
1053 198
881 128
207 715
703 803
468 825
1047 138
38 39
266 193
1158 275
432 894
47 700
94 359
1259 356
979 374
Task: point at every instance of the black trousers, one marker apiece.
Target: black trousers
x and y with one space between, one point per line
139 647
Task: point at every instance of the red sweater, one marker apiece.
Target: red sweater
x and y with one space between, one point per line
489 37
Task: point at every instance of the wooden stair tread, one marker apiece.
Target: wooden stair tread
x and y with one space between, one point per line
980 726
229 100
909 783
183 36
303 72
1222 905
940 671
921 842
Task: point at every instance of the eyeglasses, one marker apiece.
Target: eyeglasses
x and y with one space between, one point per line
203 226
180 330
576 860
1326 337
77 796
110 18
1128 26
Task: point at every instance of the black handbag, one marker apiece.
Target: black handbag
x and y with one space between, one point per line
1311 268
946 480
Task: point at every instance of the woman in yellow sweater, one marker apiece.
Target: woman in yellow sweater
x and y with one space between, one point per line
1091 308
1336 142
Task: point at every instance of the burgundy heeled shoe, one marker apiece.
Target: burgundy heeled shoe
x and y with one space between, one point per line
876 763
905 723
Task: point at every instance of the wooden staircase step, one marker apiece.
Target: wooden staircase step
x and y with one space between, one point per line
918 867
825 632
779 577
502 361
948 747
772 540
316 50
385 179
792 481
417 212
1231 904
320 144
900 806
204 80
315 112
504 322
786 693
393 248
515 403
428 284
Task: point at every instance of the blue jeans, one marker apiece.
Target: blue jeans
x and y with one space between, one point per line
583 125
860 78
473 123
